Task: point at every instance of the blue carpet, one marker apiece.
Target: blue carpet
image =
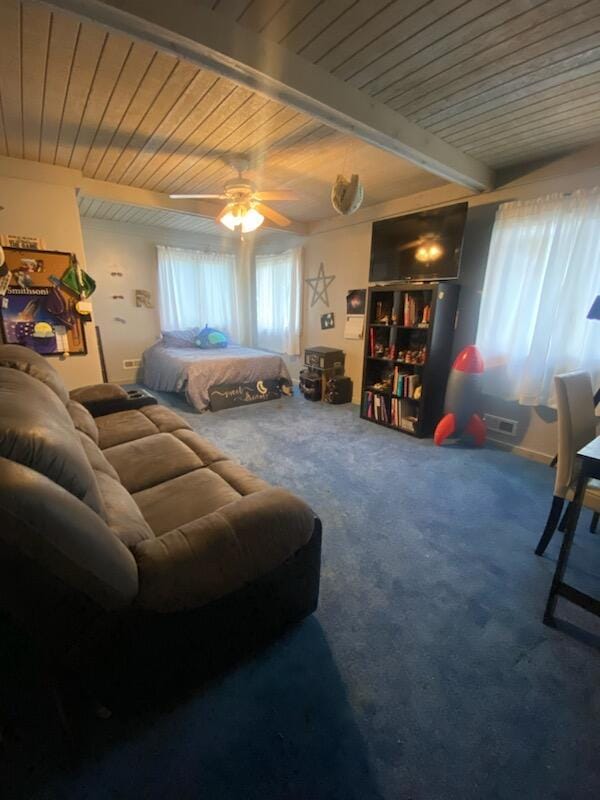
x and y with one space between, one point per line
426 672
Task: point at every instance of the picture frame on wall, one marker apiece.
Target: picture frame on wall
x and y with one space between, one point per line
38 311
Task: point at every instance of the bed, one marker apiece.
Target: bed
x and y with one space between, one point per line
192 371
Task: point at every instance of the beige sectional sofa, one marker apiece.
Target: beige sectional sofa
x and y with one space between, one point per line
131 516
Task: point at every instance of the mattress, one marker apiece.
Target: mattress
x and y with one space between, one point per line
192 371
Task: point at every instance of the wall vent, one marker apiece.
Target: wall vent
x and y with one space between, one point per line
131 363
501 425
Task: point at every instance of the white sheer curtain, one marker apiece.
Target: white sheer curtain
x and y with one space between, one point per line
278 301
543 273
197 288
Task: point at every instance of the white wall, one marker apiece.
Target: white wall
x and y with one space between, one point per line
36 208
345 253
131 250
343 245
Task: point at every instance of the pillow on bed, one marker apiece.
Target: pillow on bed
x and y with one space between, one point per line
210 338
184 338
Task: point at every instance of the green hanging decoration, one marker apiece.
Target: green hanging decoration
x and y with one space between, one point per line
78 281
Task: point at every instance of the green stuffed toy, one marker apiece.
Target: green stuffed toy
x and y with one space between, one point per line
210 338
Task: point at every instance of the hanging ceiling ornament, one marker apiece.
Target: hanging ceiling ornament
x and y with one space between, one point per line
347 196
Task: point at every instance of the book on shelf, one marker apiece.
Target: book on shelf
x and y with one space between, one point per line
376 407
402 416
404 383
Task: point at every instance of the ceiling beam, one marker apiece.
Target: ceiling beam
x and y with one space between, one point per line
190 31
144 198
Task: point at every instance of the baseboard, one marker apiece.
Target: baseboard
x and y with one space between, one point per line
525 452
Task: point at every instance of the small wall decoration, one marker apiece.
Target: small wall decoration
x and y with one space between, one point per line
319 286
355 301
143 298
25 242
327 321
38 309
355 313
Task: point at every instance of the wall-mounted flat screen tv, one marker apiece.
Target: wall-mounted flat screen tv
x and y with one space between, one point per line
422 246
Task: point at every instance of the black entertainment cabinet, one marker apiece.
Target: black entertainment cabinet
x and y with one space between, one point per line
408 351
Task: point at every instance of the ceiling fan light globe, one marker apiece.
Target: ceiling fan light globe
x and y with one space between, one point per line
230 220
252 220
422 254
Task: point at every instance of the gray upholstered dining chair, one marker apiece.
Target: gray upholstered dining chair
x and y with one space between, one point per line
576 427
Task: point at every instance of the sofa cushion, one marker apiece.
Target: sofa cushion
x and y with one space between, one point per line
151 460
125 426
183 499
121 512
82 420
205 450
166 421
239 478
22 358
96 457
221 552
36 430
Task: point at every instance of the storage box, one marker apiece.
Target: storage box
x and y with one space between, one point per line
324 358
310 384
338 390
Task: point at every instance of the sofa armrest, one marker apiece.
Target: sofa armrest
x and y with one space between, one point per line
46 526
108 398
97 392
222 551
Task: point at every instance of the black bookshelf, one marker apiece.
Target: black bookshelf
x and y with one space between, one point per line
408 350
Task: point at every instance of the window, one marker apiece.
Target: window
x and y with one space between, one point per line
542 275
278 285
197 289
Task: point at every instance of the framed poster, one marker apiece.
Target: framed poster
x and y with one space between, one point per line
38 311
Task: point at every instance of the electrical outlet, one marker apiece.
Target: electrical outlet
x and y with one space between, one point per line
132 363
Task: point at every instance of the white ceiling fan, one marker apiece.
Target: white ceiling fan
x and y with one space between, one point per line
245 208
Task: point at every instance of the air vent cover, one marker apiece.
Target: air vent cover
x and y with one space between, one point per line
501 424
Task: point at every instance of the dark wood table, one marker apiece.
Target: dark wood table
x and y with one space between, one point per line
590 468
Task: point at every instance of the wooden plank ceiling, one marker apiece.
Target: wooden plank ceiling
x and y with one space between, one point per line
505 80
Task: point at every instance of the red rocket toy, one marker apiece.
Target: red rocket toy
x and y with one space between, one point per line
463 399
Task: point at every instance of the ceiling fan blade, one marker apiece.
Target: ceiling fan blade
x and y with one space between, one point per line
198 197
277 194
410 245
273 215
